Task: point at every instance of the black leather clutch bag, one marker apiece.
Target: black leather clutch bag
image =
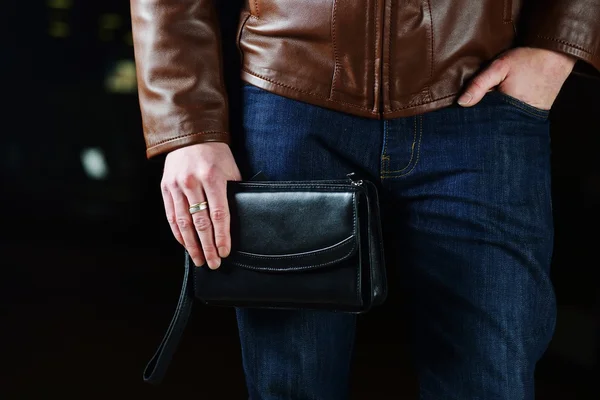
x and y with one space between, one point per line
295 244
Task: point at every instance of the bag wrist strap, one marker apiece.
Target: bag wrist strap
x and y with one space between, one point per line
157 366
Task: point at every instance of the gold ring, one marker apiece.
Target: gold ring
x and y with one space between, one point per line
194 208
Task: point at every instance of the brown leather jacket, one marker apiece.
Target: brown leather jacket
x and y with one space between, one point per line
372 58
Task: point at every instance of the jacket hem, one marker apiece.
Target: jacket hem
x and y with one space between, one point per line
307 97
422 108
298 95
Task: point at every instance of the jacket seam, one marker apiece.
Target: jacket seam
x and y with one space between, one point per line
307 92
567 43
366 47
507 18
184 136
431 43
376 85
335 50
431 40
420 103
389 77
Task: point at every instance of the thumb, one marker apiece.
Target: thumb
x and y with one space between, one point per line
484 82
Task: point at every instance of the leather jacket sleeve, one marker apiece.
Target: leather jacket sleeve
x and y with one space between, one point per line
568 26
178 59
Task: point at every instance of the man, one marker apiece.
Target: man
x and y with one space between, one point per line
444 103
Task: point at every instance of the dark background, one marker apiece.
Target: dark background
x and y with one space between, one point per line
91 273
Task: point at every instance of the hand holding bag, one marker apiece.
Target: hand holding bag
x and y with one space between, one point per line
295 244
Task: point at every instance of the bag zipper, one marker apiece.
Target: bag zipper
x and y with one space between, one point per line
352 177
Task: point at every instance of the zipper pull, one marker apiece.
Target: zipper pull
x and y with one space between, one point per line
353 180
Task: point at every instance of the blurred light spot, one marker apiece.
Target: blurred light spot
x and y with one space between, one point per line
94 163
108 24
59 29
60 4
111 21
121 78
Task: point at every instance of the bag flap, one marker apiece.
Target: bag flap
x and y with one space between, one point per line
286 228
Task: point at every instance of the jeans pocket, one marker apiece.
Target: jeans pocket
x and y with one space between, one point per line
520 105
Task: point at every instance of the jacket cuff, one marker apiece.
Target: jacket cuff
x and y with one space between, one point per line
568 26
563 46
186 140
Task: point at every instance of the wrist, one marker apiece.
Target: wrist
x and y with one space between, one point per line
557 58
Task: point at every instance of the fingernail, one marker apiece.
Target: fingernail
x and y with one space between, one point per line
223 251
465 99
215 265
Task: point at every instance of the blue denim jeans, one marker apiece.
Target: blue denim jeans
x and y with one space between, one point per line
466 206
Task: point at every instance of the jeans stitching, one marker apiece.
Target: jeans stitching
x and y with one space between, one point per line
412 152
384 157
539 114
521 105
414 165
